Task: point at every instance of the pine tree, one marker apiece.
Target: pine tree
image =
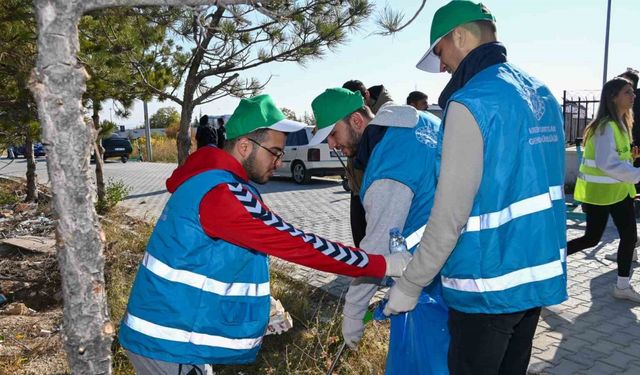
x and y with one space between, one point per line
18 112
225 41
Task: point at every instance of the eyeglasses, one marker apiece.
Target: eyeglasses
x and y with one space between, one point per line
278 154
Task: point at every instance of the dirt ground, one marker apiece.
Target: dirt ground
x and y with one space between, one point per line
31 313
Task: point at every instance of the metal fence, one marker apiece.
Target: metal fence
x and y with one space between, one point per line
578 110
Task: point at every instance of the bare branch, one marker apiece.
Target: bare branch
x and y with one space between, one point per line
215 97
211 72
391 21
215 88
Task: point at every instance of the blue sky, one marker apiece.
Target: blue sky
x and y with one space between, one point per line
559 41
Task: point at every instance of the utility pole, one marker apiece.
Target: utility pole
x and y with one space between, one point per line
147 132
606 43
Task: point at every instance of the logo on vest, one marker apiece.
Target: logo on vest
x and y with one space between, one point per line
428 135
534 101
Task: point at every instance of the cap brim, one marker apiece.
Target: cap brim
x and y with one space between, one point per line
430 62
288 126
321 135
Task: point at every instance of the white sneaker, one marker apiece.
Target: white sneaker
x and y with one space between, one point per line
614 256
628 294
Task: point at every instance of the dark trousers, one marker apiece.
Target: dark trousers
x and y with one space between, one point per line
358 220
491 344
623 217
636 163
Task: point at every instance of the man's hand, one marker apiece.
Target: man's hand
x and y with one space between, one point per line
352 331
396 263
353 323
399 302
635 152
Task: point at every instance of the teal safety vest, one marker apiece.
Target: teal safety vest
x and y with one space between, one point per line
511 255
409 156
195 299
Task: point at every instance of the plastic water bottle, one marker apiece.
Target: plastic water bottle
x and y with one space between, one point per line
397 244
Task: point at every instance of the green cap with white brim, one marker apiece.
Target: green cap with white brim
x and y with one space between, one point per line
332 106
447 18
259 112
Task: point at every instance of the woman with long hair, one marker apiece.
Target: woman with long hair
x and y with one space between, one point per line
606 179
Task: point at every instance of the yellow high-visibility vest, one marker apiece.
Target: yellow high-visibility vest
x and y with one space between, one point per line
595 186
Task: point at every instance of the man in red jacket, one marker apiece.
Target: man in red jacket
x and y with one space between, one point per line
209 251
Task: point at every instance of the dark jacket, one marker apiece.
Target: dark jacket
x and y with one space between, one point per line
636 119
355 175
221 134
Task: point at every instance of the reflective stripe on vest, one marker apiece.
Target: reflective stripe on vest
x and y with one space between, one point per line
202 282
495 219
174 334
589 163
414 238
509 280
598 179
515 210
592 163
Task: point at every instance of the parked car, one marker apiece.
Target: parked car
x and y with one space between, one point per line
300 161
116 146
17 151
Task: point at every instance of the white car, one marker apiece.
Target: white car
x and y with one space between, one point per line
300 161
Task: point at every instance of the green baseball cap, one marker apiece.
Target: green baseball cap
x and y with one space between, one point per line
447 18
332 106
257 113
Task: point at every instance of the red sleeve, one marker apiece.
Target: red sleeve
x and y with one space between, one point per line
232 213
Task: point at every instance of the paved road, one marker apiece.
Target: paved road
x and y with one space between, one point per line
590 333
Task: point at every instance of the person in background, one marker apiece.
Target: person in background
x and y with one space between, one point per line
632 75
496 236
418 100
221 133
201 295
355 173
206 134
606 180
378 96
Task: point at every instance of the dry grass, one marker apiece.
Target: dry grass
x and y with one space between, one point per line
164 148
125 245
10 192
311 346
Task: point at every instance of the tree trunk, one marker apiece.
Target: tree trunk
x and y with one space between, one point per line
98 152
32 183
184 134
58 82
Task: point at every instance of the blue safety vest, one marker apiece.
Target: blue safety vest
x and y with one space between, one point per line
408 155
196 299
511 254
